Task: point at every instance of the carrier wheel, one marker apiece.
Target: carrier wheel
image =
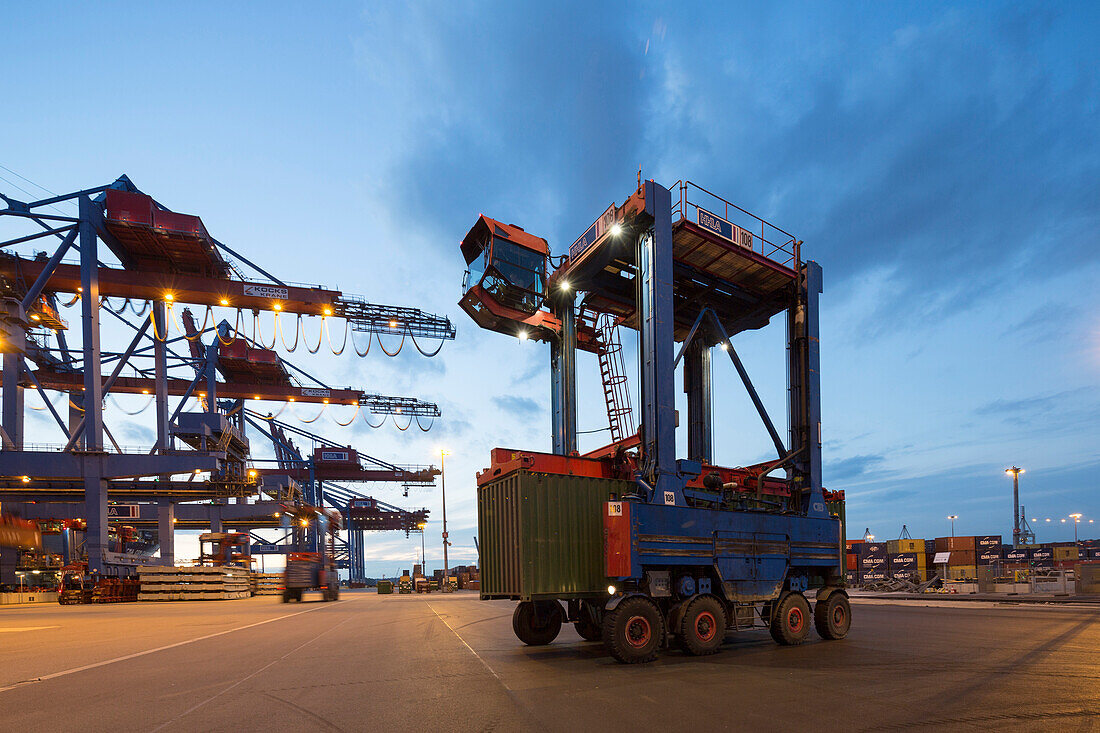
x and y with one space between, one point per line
790 622
633 632
833 616
537 623
286 596
703 628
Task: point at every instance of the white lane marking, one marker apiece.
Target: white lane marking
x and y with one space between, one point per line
10 629
250 676
74 670
491 670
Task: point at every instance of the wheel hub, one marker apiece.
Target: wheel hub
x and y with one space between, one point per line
705 626
637 631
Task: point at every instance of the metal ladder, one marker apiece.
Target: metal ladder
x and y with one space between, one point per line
616 390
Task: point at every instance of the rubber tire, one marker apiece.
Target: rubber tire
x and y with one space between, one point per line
833 616
525 627
286 596
697 611
785 631
336 593
628 616
588 630
298 594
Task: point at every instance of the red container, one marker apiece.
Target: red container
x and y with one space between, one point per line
943 544
183 223
850 544
853 561
133 208
963 557
1066 564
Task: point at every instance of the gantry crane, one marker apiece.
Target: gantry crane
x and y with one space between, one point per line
163 260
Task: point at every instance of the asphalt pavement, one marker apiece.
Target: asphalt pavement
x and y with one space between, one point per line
451 662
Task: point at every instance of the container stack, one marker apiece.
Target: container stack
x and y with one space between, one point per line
873 563
963 559
907 560
267 584
160 583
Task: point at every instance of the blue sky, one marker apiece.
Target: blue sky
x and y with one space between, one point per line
939 160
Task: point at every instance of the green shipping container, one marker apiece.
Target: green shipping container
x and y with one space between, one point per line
385 587
541 535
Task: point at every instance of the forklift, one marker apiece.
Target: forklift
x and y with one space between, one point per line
313 568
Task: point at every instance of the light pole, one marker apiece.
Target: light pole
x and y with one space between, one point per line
952 517
1076 520
443 489
423 552
1015 471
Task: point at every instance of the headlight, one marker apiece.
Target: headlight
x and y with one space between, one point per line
610 590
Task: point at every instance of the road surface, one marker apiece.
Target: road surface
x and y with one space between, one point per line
438 662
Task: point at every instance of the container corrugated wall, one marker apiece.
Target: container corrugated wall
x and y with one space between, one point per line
541 535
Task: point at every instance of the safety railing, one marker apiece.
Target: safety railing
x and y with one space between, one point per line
763 237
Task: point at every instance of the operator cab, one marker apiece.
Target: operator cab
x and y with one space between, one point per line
505 283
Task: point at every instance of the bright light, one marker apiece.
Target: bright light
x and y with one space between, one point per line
610 590
725 346
1048 519
305 522
393 323
565 286
616 229
1034 519
174 520
26 479
252 472
276 515
1077 516
278 306
325 401
198 471
145 391
327 311
523 335
169 297
255 397
224 301
35 317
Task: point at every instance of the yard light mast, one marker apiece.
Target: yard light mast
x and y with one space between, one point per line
443 453
952 517
1015 471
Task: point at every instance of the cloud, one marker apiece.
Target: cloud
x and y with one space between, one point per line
852 467
522 407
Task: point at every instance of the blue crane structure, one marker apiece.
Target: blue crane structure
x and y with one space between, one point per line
322 475
138 257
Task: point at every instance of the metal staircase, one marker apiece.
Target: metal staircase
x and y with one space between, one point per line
616 390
